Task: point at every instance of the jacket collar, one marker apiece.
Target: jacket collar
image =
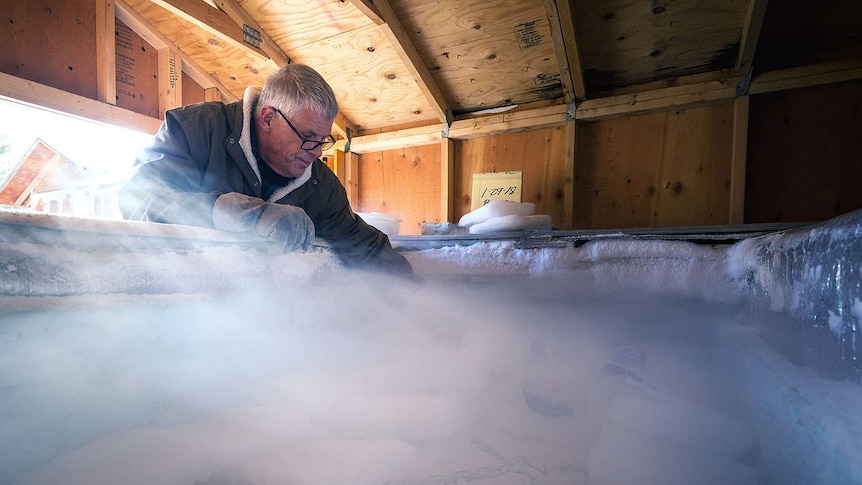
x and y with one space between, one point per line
249 102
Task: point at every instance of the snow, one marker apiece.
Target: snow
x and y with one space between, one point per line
387 224
616 361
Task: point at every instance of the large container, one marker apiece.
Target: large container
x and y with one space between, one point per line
142 354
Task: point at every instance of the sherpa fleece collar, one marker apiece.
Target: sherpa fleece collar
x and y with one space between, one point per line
249 101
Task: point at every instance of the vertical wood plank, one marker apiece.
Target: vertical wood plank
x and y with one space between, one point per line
106 57
738 160
339 166
568 217
447 179
351 177
170 81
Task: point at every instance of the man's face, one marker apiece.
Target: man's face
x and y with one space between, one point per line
280 147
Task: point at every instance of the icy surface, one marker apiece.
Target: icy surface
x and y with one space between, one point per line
814 273
617 361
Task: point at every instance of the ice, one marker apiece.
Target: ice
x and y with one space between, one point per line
497 208
511 223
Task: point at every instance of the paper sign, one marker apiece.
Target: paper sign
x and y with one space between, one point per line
495 186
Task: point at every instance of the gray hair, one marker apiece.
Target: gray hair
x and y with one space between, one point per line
297 87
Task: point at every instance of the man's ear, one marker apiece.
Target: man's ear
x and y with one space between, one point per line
265 117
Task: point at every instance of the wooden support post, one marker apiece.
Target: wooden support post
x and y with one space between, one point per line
738 160
447 179
340 159
569 182
351 177
170 81
106 57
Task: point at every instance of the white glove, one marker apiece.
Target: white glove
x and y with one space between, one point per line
289 226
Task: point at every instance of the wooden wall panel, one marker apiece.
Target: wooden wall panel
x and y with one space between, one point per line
404 184
137 73
539 154
660 169
805 154
192 91
51 42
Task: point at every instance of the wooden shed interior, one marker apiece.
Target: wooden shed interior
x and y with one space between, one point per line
618 113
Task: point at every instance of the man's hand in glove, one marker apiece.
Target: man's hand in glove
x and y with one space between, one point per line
287 225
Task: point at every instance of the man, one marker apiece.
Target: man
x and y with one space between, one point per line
254 165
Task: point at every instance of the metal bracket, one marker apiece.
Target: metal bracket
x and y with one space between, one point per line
745 84
444 133
349 135
572 111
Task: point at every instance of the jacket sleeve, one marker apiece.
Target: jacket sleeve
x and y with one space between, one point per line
356 243
166 185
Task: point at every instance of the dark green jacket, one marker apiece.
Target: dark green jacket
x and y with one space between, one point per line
196 156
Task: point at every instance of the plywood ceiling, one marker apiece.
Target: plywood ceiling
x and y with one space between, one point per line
401 63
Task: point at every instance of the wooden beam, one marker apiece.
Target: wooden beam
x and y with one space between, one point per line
738 161
252 29
569 182
409 137
215 22
750 35
41 96
155 38
170 81
801 77
447 179
509 122
567 20
697 94
381 13
106 48
566 49
657 100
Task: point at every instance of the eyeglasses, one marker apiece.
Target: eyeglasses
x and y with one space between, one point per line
308 145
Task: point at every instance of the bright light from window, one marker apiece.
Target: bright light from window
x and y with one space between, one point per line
96 147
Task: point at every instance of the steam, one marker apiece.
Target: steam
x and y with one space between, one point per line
352 378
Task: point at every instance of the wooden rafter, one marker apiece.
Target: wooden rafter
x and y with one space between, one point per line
381 13
215 22
750 34
156 39
566 48
247 24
